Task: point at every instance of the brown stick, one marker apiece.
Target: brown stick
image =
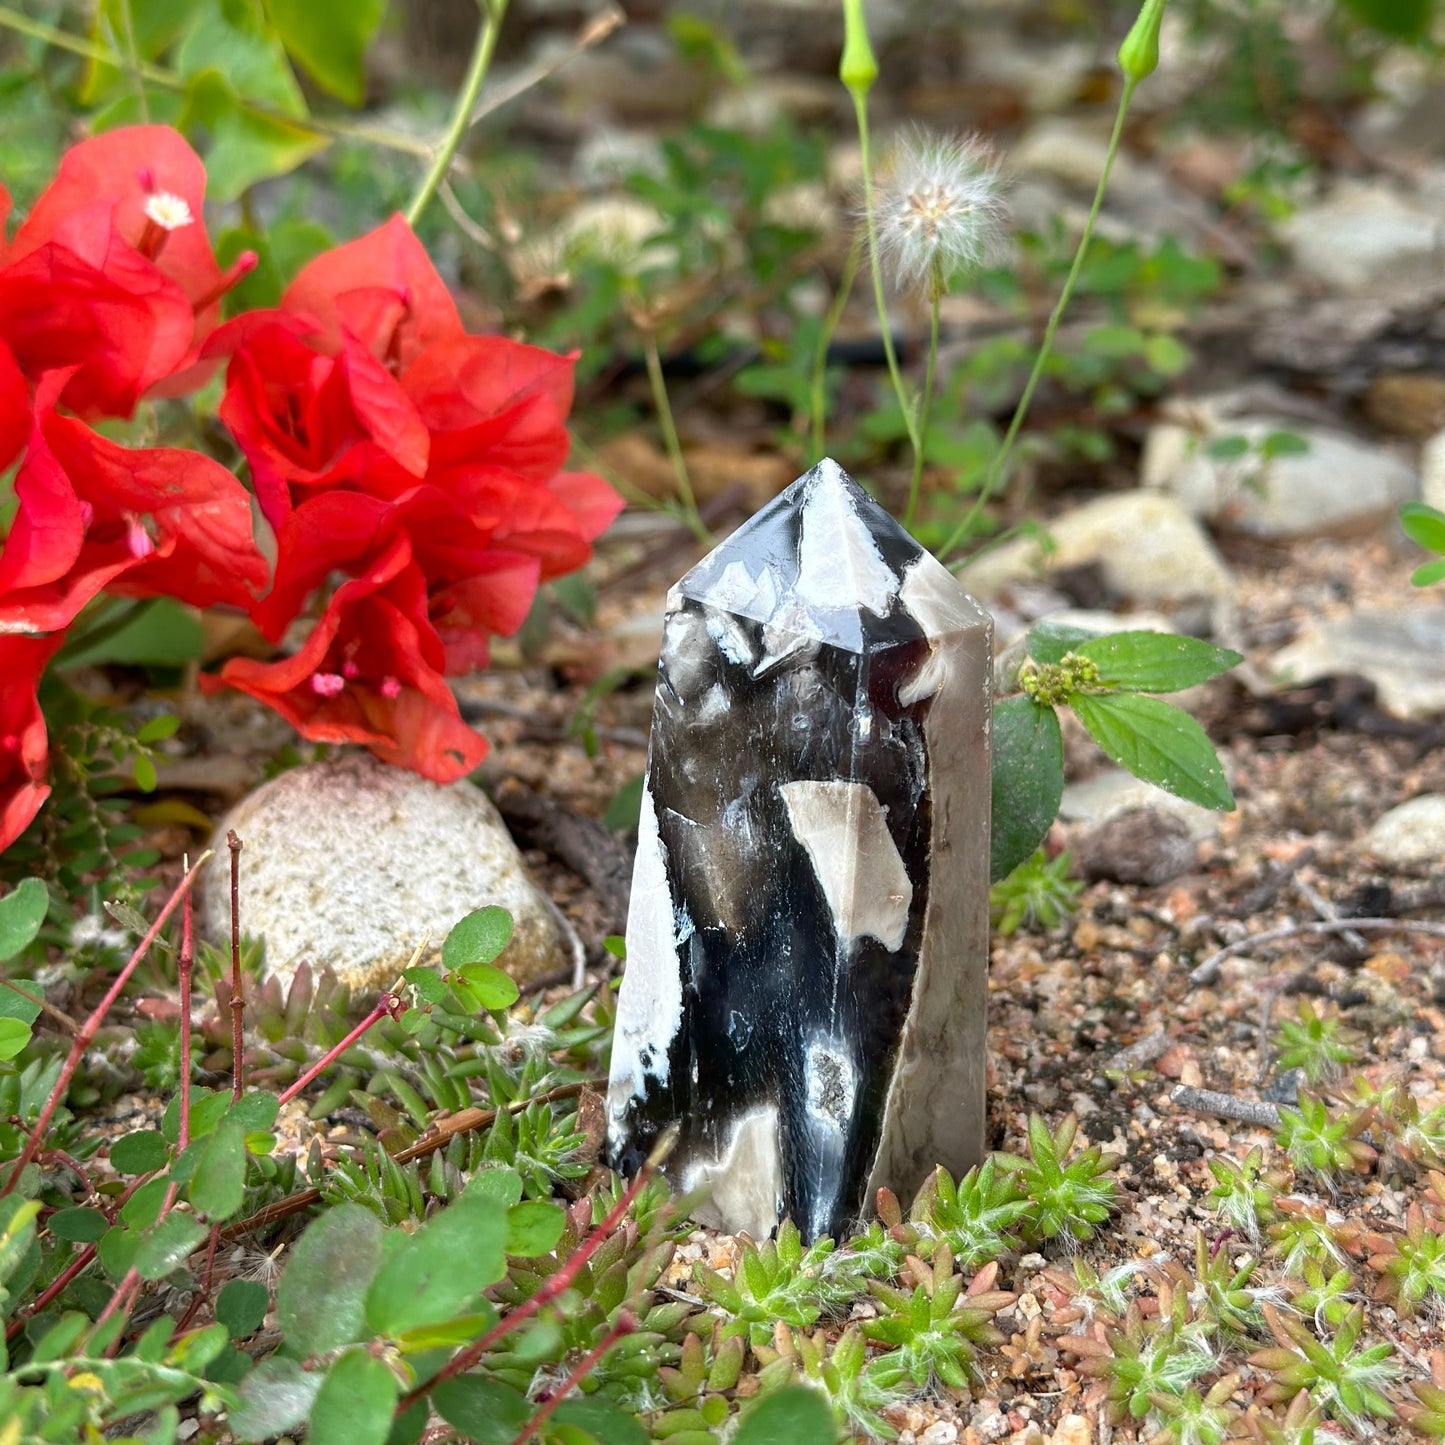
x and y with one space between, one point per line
1208 971
441 1133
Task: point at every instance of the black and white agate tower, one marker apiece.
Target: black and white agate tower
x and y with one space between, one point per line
808 933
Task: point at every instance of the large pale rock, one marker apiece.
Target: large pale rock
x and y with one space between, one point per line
1339 486
1400 649
1410 834
1366 237
1150 548
350 863
1432 472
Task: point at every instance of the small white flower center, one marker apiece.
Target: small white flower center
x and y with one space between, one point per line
170 212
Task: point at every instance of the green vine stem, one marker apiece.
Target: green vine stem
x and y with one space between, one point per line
663 407
481 61
925 401
818 396
996 467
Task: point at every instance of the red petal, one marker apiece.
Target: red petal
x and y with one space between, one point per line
22 766
591 500
14 408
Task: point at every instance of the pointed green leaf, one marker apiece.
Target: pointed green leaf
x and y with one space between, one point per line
1425 525
1028 780
1156 661
328 39
1052 641
1158 743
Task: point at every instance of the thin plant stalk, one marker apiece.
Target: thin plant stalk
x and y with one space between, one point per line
238 987
466 103
88 1030
875 267
665 420
996 467
925 401
818 397
185 962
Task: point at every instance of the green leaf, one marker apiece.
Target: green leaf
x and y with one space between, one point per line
1407 20
219 1184
145 774
484 1411
252 63
355 1402
1028 780
22 911
1228 449
1158 743
247 148
428 984
139 1153
328 39
533 1228
14 1035
625 809
488 986
274 1398
167 1246
439 1271
794 1415
477 938
321 1300
1429 574
158 729
241 1307
1049 642
1283 444
208 1108
81 1226
159 633
254 1113
1424 525
1156 661
602 1421
15 1005
1166 354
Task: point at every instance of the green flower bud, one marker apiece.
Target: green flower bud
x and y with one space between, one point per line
859 67
1139 54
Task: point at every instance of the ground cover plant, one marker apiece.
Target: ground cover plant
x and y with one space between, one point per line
463 1266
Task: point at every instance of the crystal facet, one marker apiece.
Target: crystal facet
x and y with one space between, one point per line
808 932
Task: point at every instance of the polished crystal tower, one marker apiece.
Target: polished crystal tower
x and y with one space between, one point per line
808 932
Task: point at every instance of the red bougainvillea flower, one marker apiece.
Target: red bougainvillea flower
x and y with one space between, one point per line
369 673
112 273
368 413
23 750
145 522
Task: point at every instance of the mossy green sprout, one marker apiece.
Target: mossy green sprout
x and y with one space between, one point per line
1038 894
1145 1358
1411 1266
977 1218
1064 1195
1244 1192
1325 1142
1343 1379
1316 1043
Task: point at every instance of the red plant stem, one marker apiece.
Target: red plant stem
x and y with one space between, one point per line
626 1324
554 1285
238 995
121 1299
387 1006
184 963
88 1030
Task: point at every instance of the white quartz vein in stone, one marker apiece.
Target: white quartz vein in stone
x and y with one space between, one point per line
746 1179
844 831
736 589
839 564
649 1010
932 596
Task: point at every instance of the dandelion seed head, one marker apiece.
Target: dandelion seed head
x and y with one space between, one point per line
940 210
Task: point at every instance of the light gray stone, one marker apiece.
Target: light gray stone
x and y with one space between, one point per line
350 863
1340 486
1410 834
1400 649
1366 237
1150 548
